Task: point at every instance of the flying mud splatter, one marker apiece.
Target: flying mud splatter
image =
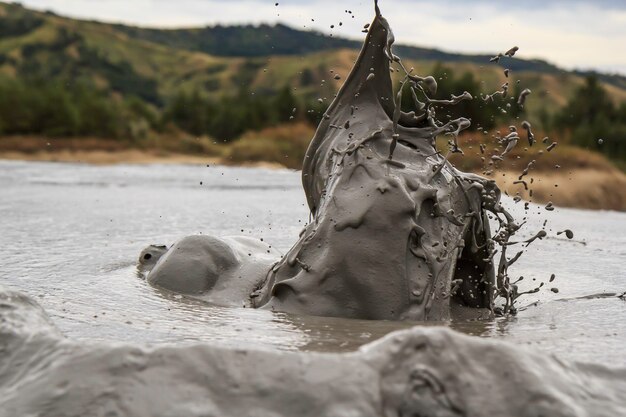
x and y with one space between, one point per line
421 225
396 231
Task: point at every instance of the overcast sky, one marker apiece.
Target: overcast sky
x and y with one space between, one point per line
571 33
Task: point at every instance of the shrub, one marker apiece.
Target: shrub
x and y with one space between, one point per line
284 144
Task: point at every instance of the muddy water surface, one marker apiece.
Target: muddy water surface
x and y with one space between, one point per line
71 234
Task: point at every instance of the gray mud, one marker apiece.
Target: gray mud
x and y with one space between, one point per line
370 169
421 371
71 234
396 232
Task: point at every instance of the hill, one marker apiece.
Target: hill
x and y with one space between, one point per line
155 64
266 40
76 78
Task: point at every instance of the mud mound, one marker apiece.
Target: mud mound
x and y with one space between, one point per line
418 372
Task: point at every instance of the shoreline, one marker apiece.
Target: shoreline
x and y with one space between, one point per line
128 156
583 188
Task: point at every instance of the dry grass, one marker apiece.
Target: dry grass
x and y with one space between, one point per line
276 147
130 156
36 144
284 145
566 156
568 176
183 144
582 188
585 179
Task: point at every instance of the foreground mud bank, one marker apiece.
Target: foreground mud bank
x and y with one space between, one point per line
421 371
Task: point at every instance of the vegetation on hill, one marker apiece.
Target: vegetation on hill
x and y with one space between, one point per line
230 116
592 120
62 77
54 109
241 41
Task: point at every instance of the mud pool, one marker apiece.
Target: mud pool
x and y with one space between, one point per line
71 234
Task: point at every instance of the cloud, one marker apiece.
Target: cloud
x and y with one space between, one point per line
572 33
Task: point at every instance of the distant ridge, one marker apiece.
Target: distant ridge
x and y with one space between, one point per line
155 64
241 41
280 39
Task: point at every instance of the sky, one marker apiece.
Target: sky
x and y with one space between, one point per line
574 34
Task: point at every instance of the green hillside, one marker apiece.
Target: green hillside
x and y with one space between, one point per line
237 41
155 64
68 77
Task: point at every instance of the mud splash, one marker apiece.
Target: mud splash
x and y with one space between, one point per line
396 232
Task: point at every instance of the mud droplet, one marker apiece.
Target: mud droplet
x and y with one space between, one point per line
522 97
568 233
511 51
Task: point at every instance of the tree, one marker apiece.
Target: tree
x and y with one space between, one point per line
590 115
589 103
284 103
